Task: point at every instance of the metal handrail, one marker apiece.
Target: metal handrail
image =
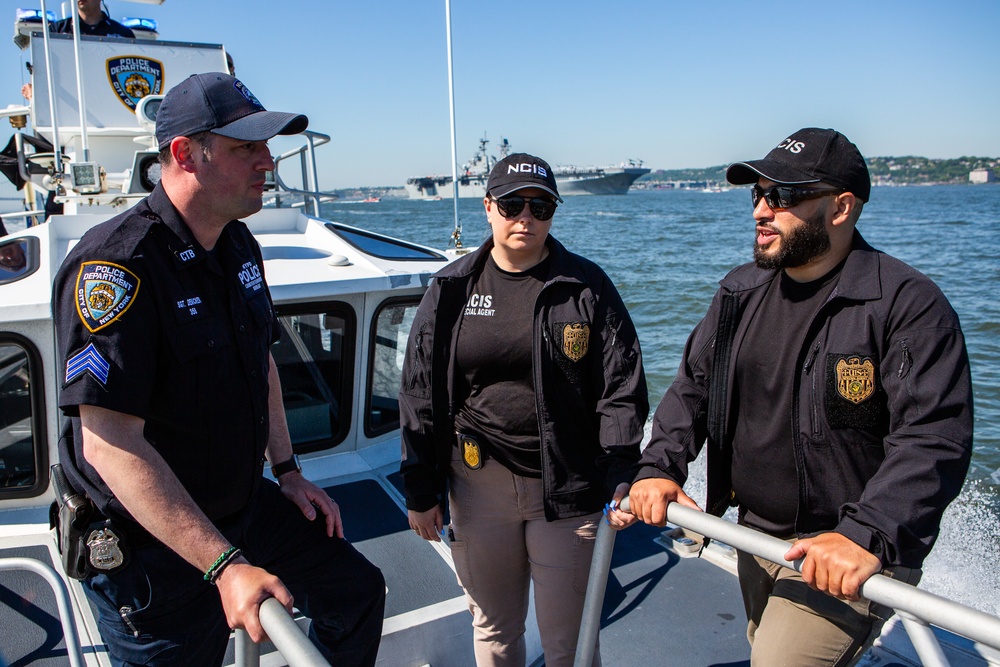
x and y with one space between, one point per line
310 178
918 609
58 586
286 636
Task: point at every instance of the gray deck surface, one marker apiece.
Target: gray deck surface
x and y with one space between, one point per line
660 609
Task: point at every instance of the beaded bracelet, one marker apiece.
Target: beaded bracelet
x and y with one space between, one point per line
220 564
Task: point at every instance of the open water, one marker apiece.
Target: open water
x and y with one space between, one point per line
666 251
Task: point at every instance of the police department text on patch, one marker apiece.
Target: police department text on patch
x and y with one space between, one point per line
103 292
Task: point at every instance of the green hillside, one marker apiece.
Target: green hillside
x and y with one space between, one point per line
907 170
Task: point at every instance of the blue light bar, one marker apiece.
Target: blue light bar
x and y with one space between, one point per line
34 15
141 24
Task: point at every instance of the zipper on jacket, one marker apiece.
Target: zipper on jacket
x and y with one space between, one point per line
814 401
904 365
418 341
124 613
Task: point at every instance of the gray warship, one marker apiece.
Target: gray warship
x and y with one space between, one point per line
572 180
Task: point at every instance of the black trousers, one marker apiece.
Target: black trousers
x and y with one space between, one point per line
179 617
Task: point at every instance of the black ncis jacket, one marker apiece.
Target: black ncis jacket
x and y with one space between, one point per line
882 409
150 324
591 411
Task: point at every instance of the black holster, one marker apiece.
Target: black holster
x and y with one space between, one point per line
71 515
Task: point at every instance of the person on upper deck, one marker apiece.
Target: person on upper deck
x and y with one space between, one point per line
164 325
523 396
94 22
832 384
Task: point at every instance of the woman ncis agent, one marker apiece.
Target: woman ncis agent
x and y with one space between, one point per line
523 394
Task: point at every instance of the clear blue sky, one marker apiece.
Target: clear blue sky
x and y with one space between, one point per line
676 84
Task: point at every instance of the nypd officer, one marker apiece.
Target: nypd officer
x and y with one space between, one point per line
164 324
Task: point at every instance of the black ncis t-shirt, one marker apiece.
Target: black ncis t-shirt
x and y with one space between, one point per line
495 387
764 475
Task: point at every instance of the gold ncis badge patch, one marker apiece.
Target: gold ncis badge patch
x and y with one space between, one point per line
472 455
103 292
576 340
855 379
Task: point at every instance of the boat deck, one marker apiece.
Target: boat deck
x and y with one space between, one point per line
656 602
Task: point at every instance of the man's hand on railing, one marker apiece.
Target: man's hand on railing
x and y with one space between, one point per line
834 564
243 588
648 499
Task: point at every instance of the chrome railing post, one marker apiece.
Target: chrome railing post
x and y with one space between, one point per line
924 642
590 624
247 651
58 587
918 609
287 637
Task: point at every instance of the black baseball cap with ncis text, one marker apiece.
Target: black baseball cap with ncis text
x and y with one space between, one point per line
519 171
221 104
811 155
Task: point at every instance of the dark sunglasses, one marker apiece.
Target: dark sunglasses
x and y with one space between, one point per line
786 196
541 208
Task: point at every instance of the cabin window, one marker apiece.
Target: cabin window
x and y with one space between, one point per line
384 247
23 455
390 329
315 360
18 258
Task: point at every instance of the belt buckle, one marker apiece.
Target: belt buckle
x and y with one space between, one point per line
472 453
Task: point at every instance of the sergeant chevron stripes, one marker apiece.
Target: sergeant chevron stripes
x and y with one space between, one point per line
89 359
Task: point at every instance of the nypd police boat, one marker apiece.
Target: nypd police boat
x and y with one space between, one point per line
345 298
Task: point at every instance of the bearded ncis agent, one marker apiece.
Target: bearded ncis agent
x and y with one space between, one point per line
164 323
831 384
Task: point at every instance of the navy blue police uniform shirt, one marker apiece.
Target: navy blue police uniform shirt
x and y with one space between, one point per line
106 27
150 324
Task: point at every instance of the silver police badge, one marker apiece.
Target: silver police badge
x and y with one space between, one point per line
855 379
103 551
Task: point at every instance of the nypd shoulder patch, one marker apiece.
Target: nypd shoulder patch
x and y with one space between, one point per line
89 359
103 292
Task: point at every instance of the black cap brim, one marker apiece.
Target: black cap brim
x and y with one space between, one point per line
745 173
503 190
263 125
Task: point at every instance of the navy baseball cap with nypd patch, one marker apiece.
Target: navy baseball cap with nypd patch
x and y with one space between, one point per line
221 104
811 155
519 171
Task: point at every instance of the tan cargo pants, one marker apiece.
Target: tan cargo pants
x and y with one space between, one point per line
502 542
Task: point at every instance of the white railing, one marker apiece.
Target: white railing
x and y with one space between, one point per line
286 636
58 587
918 609
308 171
296 649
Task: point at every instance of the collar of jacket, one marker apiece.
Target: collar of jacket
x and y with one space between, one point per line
859 279
563 264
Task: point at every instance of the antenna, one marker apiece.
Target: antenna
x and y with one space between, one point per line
456 235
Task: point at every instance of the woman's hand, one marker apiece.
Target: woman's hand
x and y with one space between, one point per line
429 524
616 518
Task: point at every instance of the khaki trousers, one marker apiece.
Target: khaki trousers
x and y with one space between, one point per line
794 625
502 542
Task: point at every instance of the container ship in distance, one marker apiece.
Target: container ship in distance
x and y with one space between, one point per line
572 180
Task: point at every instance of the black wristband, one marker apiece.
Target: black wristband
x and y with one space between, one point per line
292 464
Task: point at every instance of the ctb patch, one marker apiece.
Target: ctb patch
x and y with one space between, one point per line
104 291
134 77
